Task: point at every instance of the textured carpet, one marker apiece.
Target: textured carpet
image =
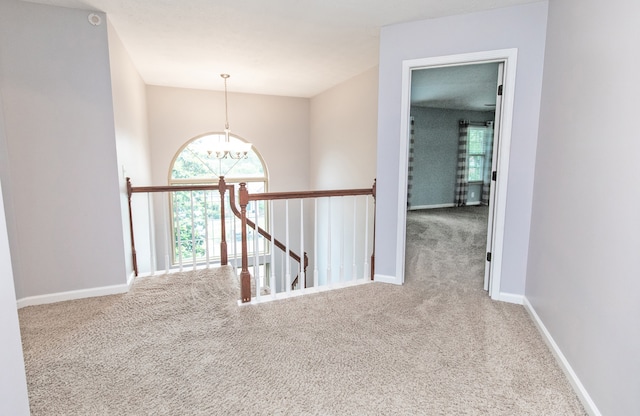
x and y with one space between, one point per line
179 345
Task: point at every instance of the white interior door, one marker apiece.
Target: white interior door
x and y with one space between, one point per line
492 191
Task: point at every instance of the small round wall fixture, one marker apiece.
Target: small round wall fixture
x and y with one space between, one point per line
95 19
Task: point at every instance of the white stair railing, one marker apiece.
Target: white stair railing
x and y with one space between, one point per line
335 225
342 227
192 206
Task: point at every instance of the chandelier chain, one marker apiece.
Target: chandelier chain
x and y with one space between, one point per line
226 105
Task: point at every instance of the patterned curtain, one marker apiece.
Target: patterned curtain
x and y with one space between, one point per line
412 140
488 156
462 183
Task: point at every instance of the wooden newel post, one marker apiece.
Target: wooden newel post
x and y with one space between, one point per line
134 256
373 254
245 276
222 187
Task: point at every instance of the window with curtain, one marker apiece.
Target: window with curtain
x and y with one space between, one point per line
476 153
475 149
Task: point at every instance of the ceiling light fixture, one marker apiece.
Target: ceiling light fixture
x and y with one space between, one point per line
226 148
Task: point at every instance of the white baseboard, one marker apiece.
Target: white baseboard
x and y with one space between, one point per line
381 278
130 280
75 294
188 268
434 206
305 291
417 207
577 385
511 298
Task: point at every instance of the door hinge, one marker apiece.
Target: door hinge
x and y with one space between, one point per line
494 175
499 89
489 256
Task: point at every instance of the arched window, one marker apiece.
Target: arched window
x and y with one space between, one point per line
195 163
192 224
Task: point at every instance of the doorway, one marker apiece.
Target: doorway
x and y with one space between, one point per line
432 83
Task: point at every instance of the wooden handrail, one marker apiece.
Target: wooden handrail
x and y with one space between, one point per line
176 188
295 256
134 256
246 197
222 187
173 188
269 196
261 231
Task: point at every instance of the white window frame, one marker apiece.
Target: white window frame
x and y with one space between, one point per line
213 180
482 155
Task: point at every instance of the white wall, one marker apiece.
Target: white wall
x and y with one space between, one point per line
521 27
132 142
66 231
278 127
584 257
343 134
13 383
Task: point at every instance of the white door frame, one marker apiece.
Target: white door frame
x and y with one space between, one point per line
488 270
509 57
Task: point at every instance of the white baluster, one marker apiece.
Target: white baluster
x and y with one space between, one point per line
193 231
178 237
272 266
286 246
354 269
206 226
165 226
235 242
342 237
301 274
329 276
315 246
152 243
282 272
256 260
365 267
215 198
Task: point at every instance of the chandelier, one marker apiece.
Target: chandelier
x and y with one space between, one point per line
226 148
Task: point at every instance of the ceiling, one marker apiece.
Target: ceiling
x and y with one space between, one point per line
295 48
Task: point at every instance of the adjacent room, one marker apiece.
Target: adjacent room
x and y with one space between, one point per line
452 143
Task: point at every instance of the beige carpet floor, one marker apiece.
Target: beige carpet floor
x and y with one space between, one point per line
180 345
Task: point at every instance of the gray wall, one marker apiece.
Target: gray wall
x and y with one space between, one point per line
582 277
132 146
13 382
521 27
62 174
435 155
